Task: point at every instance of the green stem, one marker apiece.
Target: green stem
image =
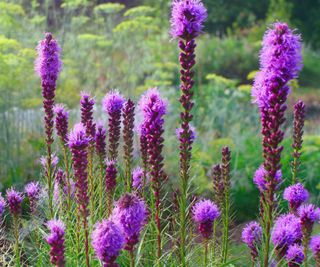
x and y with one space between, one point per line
268 222
16 236
132 260
205 253
49 174
66 164
214 240
101 186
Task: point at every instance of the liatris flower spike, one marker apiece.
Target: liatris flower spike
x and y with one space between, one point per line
14 199
130 213
205 212
295 255
33 191
252 237
298 123
218 184
138 182
107 242
87 104
286 231
308 214
78 143
315 248
112 104
280 61
62 122
100 141
153 108
48 66
128 126
187 18
111 182
56 242
295 195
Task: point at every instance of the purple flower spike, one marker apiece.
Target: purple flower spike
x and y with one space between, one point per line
295 195
48 66
2 206
308 214
187 18
62 122
112 104
100 141
205 212
14 199
260 179
130 213
87 104
286 231
56 242
315 248
107 242
78 143
295 255
111 182
153 108
252 237
33 191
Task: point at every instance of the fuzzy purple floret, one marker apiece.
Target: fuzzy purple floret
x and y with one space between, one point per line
87 104
14 199
308 214
280 61
2 205
113 102
179 132
315 246
33 191
107 241
296 195
204 213
48 63
137 178
252 235
187 18
56 242
260 179
130 213
62 122
286 231
295 255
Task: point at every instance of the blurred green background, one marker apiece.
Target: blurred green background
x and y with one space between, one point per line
126 45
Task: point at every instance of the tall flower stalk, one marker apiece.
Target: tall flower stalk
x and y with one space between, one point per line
298 123
78 143
112 104
280 61
62 124
100 142
186 24
153 109
48 66
87 104
128 126
225 173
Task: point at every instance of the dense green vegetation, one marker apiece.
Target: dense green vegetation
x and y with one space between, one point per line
126 45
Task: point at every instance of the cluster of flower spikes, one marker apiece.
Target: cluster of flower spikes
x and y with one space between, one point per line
205 212
280 61
56 242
